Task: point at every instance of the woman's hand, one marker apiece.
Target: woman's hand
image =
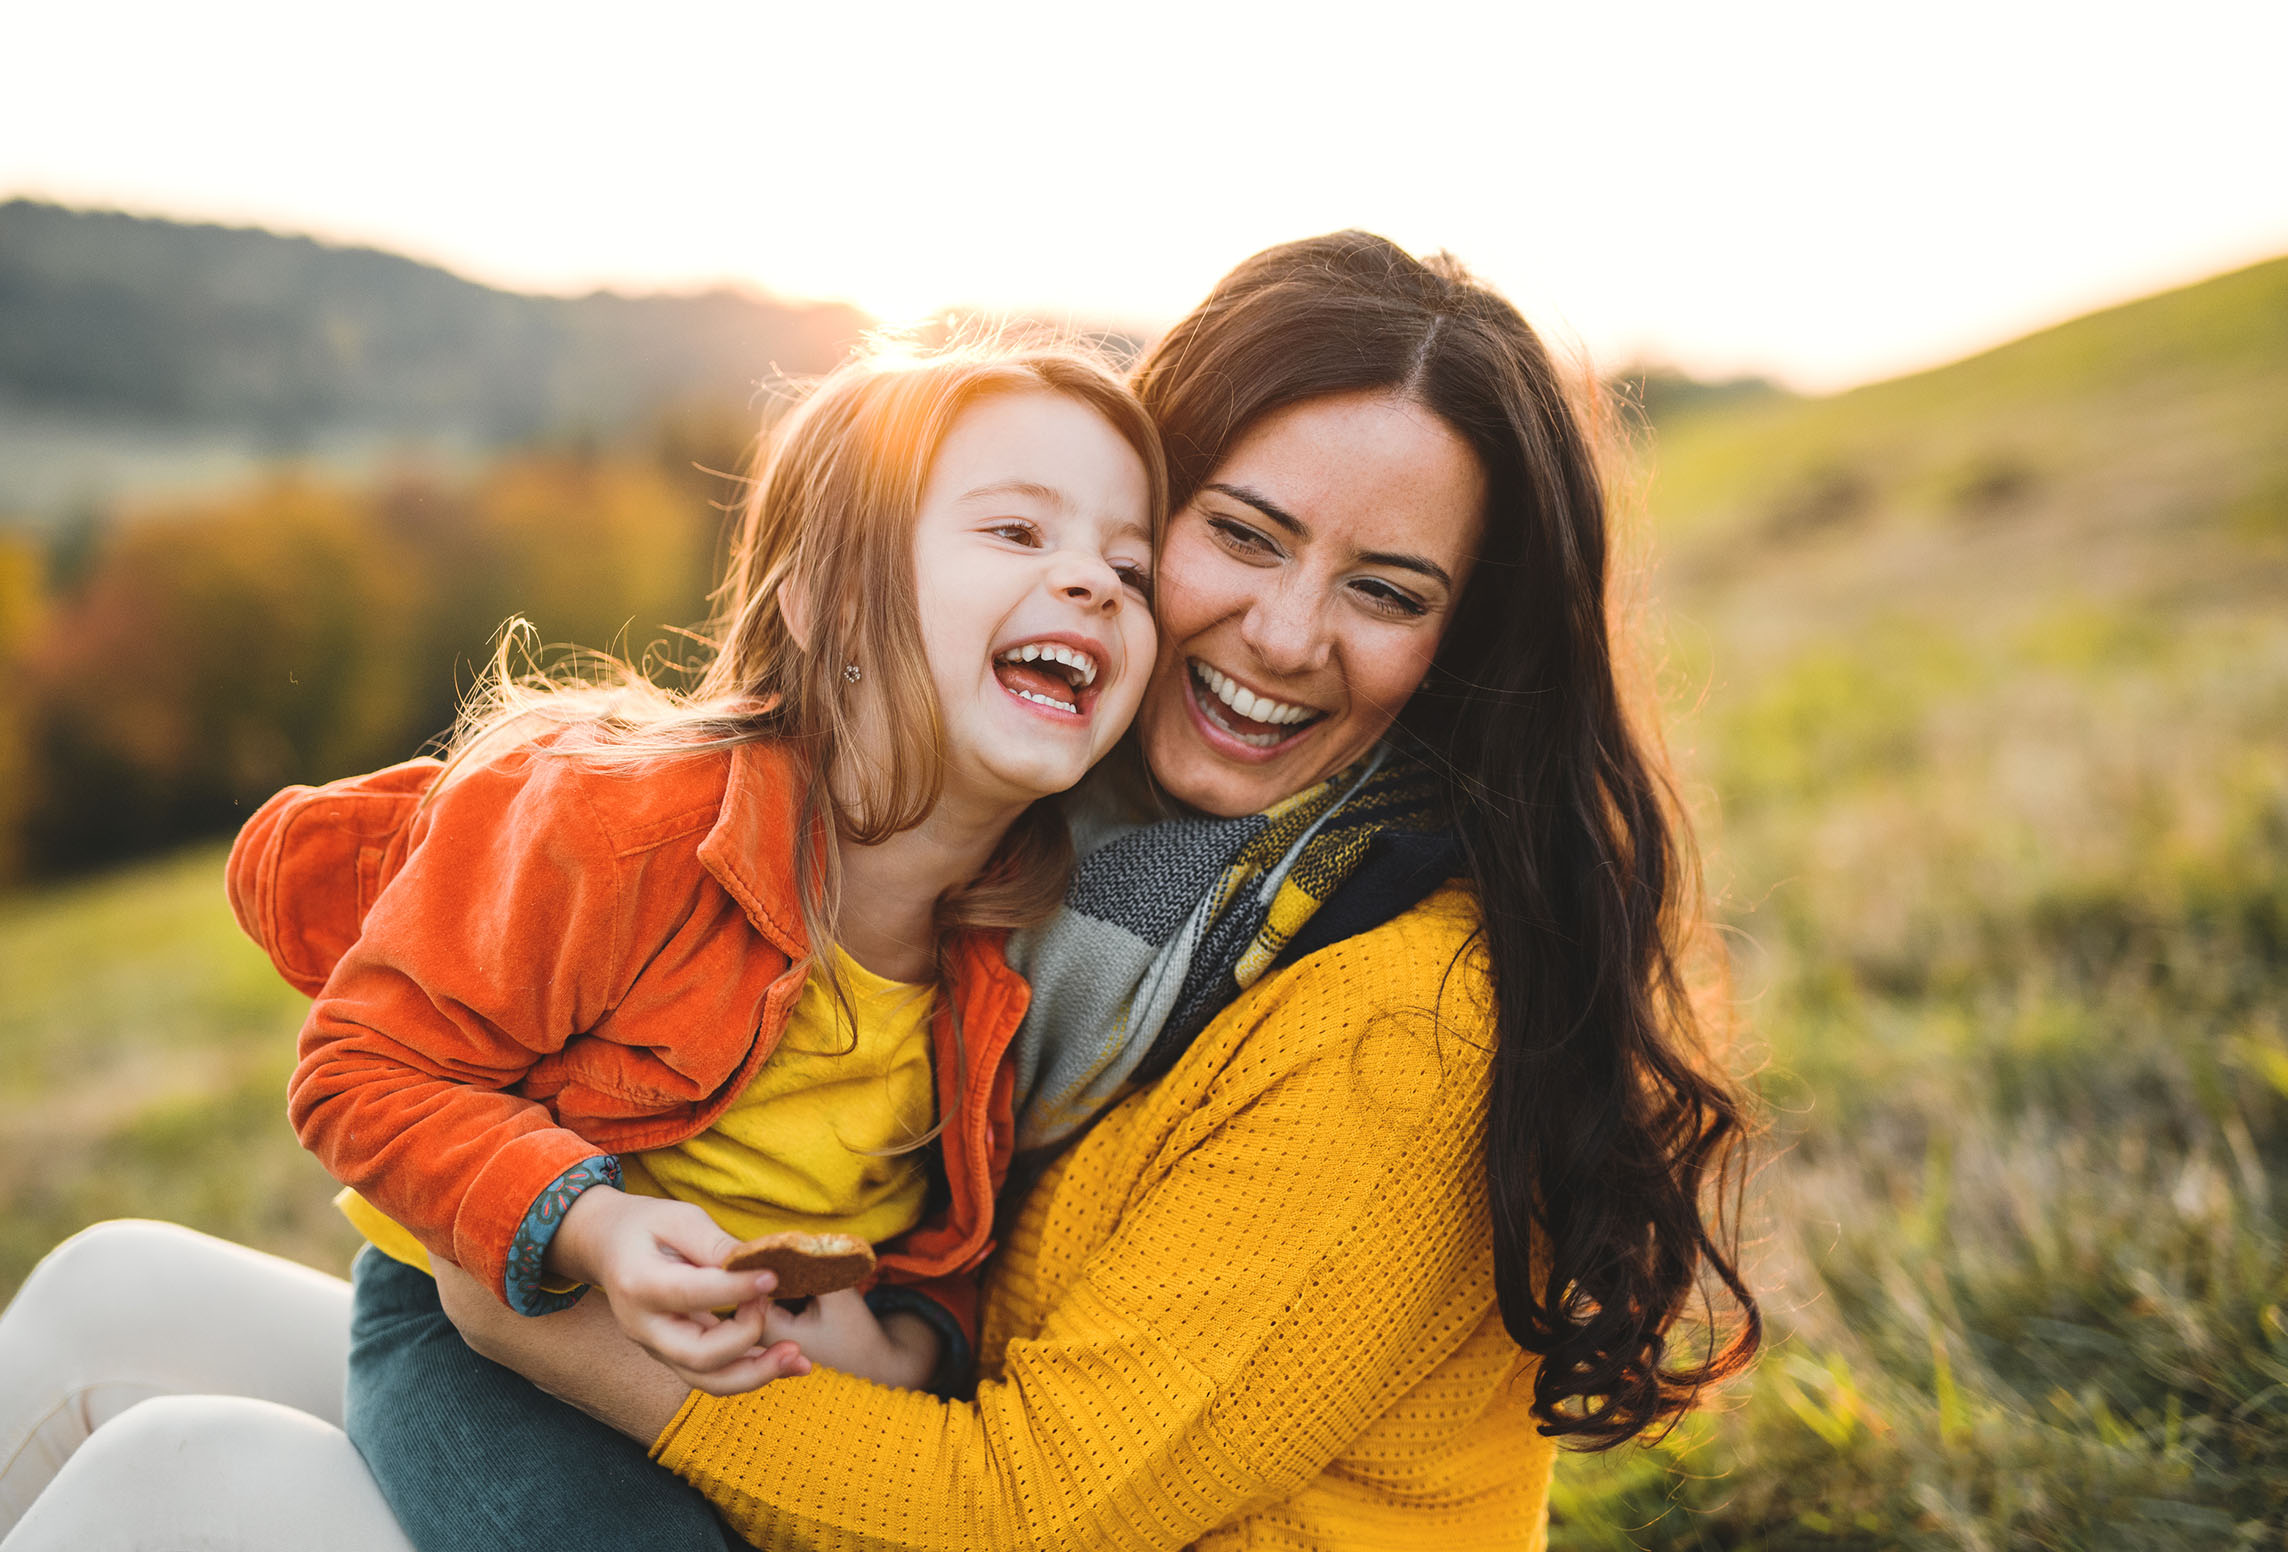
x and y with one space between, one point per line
658 1263
841 1332
580 1356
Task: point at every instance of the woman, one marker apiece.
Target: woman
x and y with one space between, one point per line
1426 1197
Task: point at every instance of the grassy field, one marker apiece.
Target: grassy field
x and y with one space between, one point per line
2013 948
144 1049
1980 681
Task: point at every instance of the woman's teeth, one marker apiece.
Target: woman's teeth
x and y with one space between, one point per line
1246 703
1254 707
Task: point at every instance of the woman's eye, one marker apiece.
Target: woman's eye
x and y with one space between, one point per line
1391 600
1016 532
1237 536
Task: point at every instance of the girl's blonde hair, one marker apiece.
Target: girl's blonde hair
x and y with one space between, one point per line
826 524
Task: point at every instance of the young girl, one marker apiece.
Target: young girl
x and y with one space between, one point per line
633 976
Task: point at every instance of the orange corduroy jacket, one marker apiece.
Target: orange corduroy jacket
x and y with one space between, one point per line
554 960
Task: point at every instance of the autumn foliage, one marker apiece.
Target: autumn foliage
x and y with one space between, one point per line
191 659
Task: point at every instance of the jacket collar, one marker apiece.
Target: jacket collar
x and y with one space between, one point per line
750 849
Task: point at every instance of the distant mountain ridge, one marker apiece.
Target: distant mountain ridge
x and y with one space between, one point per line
285 345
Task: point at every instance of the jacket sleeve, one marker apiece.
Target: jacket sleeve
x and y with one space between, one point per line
1310 1244
499 938
305 869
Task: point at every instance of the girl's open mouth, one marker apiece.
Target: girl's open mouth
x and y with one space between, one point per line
1255 720
1051 675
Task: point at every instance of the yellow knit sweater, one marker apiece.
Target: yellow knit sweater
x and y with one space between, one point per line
1252 1307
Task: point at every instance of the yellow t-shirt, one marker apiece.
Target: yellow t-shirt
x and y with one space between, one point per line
805 1146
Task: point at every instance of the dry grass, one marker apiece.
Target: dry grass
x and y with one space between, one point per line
1984 680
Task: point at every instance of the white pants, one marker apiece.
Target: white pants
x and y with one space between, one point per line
162 1391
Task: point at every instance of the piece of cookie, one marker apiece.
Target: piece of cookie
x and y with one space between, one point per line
807 1264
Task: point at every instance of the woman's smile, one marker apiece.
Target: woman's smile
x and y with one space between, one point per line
1258 723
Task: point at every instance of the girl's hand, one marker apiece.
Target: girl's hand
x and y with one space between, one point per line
656 1261
838 1330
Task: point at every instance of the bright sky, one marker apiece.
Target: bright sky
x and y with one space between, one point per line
1826 192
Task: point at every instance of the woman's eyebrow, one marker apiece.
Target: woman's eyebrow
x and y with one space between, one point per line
1264 504
1426 567
1295 526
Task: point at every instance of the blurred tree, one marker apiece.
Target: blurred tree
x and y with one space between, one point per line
21 606
213 655
704 448
597 554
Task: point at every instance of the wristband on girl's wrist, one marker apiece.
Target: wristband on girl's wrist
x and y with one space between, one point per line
526 1287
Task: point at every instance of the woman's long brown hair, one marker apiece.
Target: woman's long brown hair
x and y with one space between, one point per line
1611 1143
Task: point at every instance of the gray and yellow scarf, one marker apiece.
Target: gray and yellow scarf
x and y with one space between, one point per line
1166 922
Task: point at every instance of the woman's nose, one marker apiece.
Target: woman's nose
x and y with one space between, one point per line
1284 631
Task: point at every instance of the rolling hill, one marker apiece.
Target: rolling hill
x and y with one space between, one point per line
149 356
2136 455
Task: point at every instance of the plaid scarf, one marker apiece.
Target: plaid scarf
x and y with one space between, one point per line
1165 923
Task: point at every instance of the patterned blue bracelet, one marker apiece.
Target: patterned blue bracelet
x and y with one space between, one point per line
522 1286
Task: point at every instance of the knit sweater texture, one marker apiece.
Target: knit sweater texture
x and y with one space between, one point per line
1252 1307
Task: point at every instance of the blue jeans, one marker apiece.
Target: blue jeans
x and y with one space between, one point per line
474 1456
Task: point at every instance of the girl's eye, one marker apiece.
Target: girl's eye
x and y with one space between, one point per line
1390 600
1241 539
1017 532
1134 576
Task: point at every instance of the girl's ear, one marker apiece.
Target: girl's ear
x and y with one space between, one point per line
798 608
794 608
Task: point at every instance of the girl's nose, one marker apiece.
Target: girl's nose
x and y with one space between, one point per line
1087 580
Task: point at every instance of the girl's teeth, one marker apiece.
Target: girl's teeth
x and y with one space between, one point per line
1072 657
1043 700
